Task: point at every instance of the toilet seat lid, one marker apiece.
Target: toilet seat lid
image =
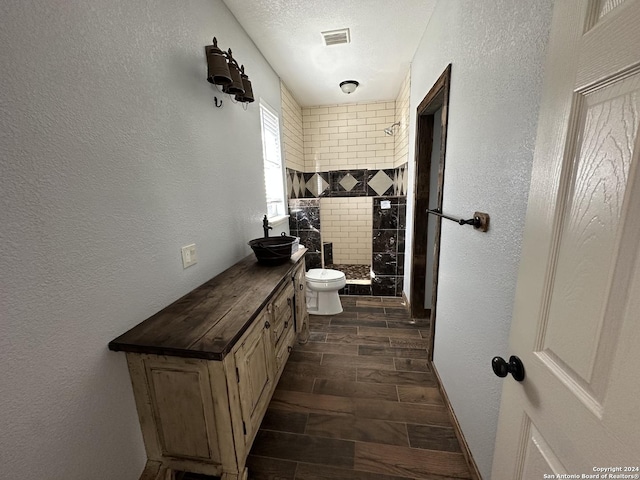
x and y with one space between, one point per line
324 275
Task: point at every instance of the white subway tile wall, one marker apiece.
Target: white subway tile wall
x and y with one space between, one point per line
292 131
346 137
347 223
401 146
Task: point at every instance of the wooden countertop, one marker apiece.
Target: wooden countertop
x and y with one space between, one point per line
207 321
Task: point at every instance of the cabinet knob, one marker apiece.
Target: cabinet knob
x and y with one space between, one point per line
289 348
301 286
267 324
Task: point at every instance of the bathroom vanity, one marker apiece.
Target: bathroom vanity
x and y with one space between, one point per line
204 368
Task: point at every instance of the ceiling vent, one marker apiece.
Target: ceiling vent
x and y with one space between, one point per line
336 37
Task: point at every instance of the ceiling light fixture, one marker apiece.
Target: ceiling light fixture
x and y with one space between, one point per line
349 86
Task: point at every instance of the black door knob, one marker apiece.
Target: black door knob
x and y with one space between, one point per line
515 367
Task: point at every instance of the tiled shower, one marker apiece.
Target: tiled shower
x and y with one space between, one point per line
347 186
386 190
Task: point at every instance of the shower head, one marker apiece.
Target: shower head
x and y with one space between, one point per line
389 130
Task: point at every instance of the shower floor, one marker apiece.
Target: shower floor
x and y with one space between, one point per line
354 273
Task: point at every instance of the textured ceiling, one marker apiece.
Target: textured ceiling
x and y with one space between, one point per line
384 38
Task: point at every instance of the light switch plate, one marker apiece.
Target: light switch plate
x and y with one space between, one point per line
189 255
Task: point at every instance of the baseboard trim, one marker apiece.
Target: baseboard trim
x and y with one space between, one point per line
406 300
475 473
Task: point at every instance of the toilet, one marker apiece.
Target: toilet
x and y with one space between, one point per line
322 291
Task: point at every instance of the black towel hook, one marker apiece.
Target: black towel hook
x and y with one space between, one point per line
480 221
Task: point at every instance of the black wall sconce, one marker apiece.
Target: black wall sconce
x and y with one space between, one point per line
224 70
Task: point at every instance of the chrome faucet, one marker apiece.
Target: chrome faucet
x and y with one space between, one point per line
266 227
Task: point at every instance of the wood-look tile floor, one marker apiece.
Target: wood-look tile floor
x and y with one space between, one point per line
358 402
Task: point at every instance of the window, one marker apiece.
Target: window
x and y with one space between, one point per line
273 176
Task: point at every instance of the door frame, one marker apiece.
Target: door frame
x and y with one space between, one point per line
436 98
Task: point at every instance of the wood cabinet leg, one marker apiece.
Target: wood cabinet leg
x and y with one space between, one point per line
244 475
156 471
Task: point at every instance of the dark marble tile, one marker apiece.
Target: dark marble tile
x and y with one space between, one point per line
397 378
398 352
282 421
306 218
355 389
263 468
400 265
310 239
318 187
355 289
384 264
399 286
327 250
385 218
402 216
350 427
385 241
385 286
312 260
401 240
304 448
433 438
371 174
347 183
393 199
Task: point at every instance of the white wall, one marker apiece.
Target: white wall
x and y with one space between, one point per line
112 157
496 49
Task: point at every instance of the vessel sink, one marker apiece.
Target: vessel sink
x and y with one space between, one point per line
273 250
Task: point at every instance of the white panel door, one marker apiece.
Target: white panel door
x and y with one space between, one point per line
576 320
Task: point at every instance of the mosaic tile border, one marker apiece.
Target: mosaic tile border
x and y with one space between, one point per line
348 183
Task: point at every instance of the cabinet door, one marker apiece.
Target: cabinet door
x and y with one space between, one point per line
254 359
301 315
283 312
174 402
